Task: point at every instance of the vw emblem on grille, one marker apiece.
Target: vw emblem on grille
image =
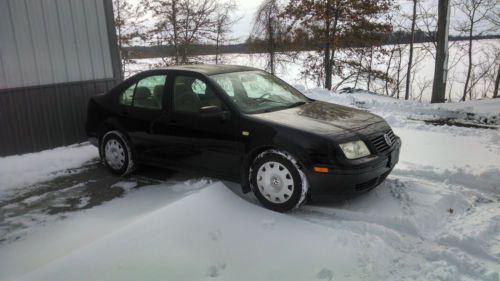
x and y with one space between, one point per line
387 139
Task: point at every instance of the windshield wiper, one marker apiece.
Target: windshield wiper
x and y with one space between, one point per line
281 107
295 104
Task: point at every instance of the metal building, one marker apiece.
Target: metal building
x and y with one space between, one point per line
54 55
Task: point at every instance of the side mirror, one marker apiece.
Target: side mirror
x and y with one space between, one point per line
213 111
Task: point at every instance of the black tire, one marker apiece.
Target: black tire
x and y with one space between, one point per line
123 153
290 168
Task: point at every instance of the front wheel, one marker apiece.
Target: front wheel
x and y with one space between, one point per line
116 153
277 181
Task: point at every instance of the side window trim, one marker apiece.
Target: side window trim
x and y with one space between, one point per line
133 93
123 92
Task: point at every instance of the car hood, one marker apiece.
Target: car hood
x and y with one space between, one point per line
327 119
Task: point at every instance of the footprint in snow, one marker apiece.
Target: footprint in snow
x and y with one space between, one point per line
215 235
267 223
325 274
215 271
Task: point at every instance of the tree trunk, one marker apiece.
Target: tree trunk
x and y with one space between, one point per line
327 57
398 81
469 67
441 63
410 59
358 72
332 46
175 30
387 72
217 48
328 67
497 81
370 70
271 45
120 38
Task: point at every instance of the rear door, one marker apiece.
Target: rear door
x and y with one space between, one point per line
141 104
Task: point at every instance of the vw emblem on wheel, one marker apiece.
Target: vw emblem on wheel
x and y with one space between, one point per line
388 139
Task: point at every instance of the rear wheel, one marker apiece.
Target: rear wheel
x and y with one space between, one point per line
277 181
116 153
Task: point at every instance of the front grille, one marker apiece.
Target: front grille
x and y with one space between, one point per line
380 144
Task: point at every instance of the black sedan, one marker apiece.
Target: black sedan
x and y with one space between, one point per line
244 124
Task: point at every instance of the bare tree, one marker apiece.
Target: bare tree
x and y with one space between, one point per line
269 27
476 12
426 24
224 23
441 61
183 24
395 52
128 19
494 18
328 21
410 56
497 82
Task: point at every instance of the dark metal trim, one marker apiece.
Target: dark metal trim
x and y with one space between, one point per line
38 118
113 40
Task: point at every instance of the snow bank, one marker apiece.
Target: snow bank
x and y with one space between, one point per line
209 234
23 170
485 112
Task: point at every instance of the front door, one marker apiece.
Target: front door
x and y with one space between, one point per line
206 142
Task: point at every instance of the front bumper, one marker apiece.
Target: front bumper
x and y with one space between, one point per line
341 184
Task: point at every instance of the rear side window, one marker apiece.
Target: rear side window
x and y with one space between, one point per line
147 93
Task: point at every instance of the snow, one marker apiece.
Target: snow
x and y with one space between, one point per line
19 171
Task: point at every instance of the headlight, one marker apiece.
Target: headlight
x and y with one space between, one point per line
355 149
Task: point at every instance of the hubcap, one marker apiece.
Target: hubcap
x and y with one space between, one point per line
114 154
275 182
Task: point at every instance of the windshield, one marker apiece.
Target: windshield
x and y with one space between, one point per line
258 91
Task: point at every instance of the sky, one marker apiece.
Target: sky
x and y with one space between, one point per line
246 10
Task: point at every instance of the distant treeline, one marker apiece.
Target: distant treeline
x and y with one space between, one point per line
258 46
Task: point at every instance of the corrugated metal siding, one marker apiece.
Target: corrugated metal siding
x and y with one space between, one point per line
53 41
56 43
38 118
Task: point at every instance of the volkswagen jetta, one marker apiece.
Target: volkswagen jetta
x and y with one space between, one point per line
244 124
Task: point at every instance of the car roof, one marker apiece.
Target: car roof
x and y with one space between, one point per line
211 69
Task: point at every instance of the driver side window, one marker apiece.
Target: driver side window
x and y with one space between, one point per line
191 94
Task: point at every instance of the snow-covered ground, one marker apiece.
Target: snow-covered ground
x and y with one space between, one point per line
21 171
436 217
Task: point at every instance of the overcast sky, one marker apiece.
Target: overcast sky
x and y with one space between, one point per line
246 9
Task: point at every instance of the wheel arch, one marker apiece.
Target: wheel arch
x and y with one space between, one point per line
110 124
